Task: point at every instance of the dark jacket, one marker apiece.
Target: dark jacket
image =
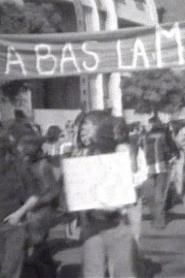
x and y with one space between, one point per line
156 151
11 190
94 221
39 180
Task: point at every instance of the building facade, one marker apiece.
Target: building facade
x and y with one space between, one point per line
98 91
103 91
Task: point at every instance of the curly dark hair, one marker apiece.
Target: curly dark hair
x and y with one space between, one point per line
103 124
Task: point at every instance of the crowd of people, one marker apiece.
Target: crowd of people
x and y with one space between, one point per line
31 191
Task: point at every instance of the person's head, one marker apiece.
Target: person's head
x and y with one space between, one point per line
96 131
154 124
53 133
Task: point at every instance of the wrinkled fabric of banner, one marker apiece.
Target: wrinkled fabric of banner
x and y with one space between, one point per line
30 56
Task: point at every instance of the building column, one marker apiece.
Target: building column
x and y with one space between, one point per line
152 11
84 79
115 93
96 81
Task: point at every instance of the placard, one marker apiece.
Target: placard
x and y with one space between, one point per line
99 182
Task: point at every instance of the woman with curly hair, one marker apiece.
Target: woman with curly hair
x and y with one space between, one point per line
106 234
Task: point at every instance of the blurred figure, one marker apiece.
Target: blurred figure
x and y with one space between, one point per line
139 170
2 129
22 126
157 156
12 237
69 127
41 195
52 144
176 174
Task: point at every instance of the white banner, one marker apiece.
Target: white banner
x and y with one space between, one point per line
30 56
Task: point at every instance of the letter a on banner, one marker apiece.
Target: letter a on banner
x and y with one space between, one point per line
140 52
14 60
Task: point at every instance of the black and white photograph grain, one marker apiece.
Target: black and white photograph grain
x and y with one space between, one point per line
92 138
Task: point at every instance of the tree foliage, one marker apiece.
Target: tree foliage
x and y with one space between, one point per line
31 18
12 19
159 90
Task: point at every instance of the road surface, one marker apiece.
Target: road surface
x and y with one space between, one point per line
165 247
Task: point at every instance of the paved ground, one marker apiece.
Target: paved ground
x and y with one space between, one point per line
166 247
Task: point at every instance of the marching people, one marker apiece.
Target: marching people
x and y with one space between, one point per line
105 233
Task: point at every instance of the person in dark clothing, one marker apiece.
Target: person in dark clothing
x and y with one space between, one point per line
12 237
40 192
157 156
22 126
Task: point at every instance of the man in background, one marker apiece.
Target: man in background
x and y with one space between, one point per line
157 155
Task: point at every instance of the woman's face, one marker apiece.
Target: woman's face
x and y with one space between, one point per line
87 132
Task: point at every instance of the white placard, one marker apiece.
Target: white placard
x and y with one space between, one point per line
98 182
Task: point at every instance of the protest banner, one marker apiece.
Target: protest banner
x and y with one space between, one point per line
131 49
98 182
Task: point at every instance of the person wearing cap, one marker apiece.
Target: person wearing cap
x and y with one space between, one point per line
157 155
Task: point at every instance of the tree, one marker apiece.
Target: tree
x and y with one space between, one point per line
31 18
42 18
159 90
12 19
